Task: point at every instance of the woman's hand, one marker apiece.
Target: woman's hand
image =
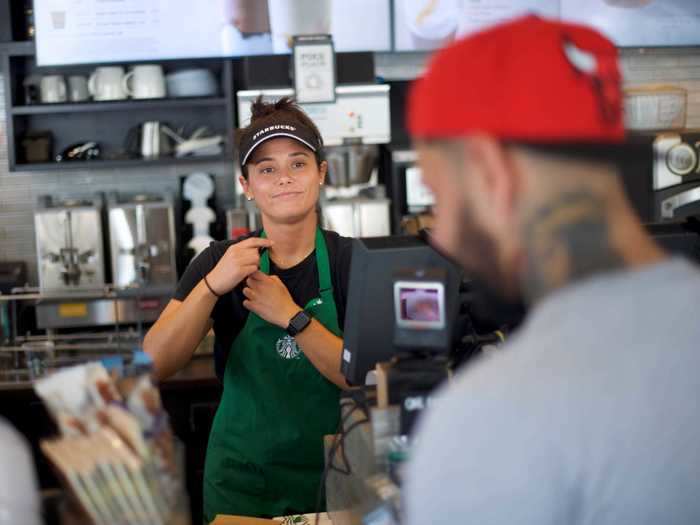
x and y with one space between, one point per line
269 298
239 261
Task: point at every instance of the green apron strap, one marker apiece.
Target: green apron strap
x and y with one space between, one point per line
265 257
324 270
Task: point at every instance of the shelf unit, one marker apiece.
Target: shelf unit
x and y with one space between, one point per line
120 105
18 48
119 163
108 123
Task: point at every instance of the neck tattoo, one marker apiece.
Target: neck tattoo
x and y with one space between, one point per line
567 239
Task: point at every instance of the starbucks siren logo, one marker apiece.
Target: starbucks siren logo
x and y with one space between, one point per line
287 348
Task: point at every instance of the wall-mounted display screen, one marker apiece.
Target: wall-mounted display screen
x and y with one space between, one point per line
99 31
639 23
431 24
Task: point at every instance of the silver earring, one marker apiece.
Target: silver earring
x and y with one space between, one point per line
248 197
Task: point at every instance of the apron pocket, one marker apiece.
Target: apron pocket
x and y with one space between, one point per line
244 477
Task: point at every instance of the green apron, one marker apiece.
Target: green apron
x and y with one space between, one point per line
265 453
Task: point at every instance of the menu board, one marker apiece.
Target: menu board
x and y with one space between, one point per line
431 24
639 23
99 31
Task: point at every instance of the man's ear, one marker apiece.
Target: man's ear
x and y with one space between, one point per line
499 177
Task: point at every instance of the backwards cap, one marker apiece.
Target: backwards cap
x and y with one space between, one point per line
531 80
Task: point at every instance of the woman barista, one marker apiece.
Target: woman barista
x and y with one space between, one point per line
276 300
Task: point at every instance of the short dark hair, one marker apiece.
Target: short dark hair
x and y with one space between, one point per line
623 155
263 114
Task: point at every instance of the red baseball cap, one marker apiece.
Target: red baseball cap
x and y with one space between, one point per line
528 80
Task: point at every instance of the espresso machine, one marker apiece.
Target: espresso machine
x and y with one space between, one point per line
354 203
72 261
352 127
69 245
142 241
676 175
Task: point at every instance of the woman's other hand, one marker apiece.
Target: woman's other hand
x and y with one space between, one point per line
269 298
239 261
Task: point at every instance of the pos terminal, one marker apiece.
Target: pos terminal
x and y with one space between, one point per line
402 307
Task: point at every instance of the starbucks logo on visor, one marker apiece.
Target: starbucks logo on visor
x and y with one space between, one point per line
287 348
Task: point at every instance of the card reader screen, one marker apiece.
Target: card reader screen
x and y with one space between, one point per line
420 305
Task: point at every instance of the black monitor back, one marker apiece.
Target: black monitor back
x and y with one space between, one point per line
680 238
369 315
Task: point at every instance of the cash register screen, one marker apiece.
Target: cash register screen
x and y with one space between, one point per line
419 305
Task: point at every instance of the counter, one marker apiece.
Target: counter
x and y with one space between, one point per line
198 373
190 397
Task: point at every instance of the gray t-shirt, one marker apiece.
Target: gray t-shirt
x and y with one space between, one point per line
590 415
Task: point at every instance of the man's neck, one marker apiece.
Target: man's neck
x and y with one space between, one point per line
293 242
575 235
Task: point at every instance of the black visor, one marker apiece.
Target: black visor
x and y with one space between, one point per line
293 131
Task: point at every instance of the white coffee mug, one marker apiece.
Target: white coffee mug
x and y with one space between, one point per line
52 89
145 81
106 83
194 82
78 88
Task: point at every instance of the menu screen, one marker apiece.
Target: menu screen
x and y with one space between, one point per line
98 31
431 24
639 23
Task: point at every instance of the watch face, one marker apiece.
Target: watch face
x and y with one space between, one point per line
299 322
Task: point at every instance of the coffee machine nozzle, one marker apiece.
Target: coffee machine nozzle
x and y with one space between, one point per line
69 244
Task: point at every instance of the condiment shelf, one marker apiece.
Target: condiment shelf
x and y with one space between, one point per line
119 163
120 105
20 48
51 129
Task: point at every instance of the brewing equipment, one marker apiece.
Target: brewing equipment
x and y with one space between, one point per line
69 244
74 290
676 175
142 241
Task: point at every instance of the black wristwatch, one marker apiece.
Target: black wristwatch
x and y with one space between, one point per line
297 323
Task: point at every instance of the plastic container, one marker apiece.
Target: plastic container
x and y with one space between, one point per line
655 107
37 354
19 491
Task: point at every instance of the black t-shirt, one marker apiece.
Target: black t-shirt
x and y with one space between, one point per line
229 314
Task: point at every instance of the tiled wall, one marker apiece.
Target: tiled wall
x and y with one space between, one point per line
19 191
677 67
